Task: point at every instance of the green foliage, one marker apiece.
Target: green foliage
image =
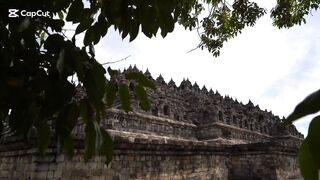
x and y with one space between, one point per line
124 97
314 140
142 97
37 60
288 13
226 22
141 79
307 166
309 156
43 132
106 146
139 90
68 146
309 105
90 140
111 93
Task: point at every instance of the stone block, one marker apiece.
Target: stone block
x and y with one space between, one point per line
57 174
50 174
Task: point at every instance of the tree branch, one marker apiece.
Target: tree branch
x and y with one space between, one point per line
116 61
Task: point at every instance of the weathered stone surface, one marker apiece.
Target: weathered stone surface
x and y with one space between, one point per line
188 134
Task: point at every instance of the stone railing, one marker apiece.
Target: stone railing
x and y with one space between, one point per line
148 124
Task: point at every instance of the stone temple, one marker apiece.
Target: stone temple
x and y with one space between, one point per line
189 134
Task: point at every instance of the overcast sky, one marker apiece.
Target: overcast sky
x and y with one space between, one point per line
273 68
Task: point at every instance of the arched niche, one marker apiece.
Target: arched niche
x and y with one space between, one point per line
205 115
166 110
220 116
155 111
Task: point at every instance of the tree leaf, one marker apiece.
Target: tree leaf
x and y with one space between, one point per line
68 146
107 146
88 37
167 24
79 64
97 34
83 109
102 25
134 30
141 79
67 119
307 166
54 43
43 132
90 141
314 140
309 105
149 21
99 78
99 137
124 97
56 24
42 36
84 25
111 93
92 36
124 34
60 14
94 82
75 13
142 97
112 72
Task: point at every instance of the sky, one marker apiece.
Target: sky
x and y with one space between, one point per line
274 68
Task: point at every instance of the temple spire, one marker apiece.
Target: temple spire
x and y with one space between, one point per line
172 83
160 79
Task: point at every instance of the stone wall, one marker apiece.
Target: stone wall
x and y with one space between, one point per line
147 124
237 135
147 157
263 161
155 157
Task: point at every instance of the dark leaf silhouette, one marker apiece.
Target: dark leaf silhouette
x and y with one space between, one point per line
307 166
309 105
124 97
142 97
